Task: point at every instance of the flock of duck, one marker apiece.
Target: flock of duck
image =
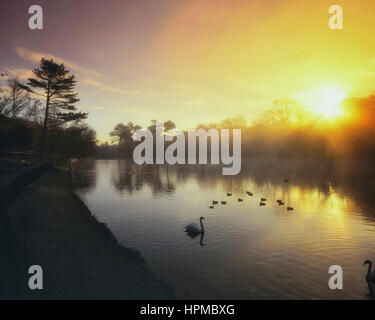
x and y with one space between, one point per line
262 202
193 229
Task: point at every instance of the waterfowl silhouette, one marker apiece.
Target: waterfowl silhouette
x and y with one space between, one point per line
370 277
290 209
194 235
193 228
201 240
263 199
262 204
212 207
229 194
215 202
223 202
240 200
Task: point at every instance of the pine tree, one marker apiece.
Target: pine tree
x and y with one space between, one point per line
55 84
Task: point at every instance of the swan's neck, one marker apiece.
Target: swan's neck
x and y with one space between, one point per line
202 228
369 269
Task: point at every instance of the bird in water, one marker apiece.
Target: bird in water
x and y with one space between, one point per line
212 207
215 202
263 199
229 194
193 228
240 200
223 202
262 204
290 209
370 277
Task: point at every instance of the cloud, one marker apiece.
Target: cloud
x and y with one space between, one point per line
88 75
34 56
107 87
20 73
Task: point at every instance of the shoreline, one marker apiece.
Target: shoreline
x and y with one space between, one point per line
80 257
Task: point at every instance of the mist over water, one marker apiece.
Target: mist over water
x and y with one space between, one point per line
248 251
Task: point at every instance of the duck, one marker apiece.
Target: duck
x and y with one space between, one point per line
290 209
262 204
240 200
229 194
193 228
281 203
212 207
215 202
370 277
223 202
263 199
250 194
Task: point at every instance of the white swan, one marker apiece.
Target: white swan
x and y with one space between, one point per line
370 273
193 227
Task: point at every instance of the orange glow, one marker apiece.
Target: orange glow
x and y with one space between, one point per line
201 61
327 103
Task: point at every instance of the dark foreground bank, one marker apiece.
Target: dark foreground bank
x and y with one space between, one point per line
79 256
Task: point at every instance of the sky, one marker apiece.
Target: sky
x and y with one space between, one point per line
193 61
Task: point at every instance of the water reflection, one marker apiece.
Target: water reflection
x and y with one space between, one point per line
370 293
333 222
195 235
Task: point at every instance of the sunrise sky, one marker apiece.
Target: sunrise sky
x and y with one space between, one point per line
193 61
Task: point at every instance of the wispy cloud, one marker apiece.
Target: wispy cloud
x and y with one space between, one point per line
34 56
107 87
88 76
20 73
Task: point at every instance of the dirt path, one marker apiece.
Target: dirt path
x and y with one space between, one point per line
79 256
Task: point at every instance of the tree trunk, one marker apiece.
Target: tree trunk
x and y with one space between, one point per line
45 124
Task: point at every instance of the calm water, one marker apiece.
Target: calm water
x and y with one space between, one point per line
248 251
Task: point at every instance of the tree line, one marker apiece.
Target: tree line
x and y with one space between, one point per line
286 129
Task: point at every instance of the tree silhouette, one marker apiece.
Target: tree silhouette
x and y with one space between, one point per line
123 134
284 111
53 82
15 100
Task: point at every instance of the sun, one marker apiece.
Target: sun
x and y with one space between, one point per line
327 103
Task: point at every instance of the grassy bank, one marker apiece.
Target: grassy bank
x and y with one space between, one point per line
80 257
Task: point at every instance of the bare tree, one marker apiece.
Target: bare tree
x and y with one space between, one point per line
15 100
